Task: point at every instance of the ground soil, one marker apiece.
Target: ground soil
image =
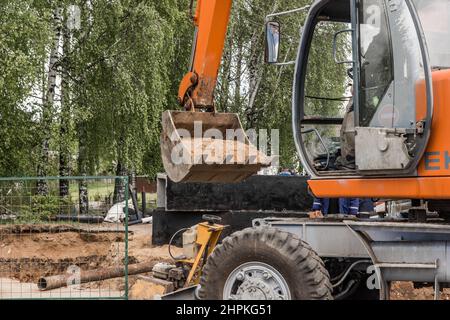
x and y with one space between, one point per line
220 151
406 291
145 290
28 253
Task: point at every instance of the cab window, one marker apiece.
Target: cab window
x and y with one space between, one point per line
375 59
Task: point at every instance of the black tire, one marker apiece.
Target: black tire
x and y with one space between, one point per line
303 270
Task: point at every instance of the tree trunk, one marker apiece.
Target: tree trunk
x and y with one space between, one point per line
238 77
119 186
64 148
83 168
82 129
48 105
226 76
256 73
255 82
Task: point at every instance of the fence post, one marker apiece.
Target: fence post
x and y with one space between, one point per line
126 183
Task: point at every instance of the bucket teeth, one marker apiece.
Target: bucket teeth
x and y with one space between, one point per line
208 147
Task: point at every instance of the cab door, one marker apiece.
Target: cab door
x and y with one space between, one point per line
393 88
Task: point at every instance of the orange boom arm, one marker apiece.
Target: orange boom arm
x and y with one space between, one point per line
197 87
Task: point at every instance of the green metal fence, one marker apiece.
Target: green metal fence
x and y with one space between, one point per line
55 233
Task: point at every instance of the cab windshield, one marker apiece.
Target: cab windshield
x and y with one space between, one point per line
435 19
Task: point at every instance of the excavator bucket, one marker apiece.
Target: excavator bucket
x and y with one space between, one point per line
208 147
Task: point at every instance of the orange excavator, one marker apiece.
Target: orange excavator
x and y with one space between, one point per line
399 135
390 141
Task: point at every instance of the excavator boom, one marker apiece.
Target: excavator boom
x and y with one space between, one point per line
199 144
211 21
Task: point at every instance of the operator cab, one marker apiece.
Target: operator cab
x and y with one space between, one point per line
370 111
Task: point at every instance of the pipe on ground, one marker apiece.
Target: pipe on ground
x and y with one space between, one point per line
80 218
141 221
64 280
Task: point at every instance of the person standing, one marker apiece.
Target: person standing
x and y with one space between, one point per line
349 206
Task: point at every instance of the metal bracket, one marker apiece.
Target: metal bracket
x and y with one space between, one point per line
408 265
276 14
437 286
384 285
437 289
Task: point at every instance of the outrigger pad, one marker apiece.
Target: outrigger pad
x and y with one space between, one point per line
208 147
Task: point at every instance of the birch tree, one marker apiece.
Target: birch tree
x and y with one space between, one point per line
24 38
48 102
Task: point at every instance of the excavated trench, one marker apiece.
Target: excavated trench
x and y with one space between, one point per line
30 252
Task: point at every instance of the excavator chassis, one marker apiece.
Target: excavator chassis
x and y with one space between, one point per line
391 251
397 251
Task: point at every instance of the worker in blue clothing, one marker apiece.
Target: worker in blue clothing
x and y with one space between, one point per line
366 205
321 205
286 173
347 206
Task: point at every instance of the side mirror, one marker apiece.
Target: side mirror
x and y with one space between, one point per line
272 41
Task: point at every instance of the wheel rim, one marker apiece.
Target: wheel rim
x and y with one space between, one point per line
256 281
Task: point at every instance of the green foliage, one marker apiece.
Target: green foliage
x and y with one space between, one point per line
130 51
262 94
24 36
41 209
121 70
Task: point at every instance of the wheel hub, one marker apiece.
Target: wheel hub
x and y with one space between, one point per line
256 281
255 290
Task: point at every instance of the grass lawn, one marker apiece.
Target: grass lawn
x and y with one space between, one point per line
97 190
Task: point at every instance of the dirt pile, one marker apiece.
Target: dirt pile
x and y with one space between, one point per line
220 151
406 291
29 252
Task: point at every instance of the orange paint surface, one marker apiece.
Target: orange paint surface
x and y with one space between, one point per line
211 19
434 162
